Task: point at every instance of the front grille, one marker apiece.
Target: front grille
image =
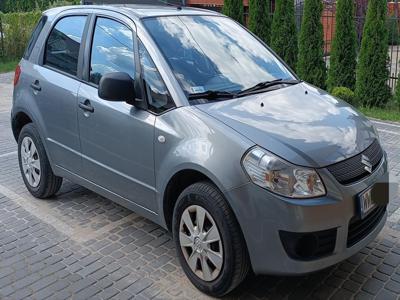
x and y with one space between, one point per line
352 169
360 228
308 246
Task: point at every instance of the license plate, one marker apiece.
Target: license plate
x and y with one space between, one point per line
366 203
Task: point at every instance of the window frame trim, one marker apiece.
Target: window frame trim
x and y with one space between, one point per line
89 43
33 40
90 40
143 82
139 80
42 54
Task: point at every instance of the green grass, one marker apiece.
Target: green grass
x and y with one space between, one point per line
8 66
390 114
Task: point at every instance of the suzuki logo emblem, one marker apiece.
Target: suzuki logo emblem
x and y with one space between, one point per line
367 163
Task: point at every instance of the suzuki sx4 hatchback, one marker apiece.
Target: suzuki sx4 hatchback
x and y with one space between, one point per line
188 119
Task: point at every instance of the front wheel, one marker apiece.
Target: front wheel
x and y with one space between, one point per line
208 239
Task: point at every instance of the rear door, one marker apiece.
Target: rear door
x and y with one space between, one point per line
54 85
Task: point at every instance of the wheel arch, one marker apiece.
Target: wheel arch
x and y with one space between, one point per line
18 121
180 180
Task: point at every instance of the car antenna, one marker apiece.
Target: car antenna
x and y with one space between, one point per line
178 7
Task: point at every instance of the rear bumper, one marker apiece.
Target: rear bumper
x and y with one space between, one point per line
263 215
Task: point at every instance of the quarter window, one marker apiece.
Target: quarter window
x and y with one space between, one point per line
63 44
34 36
157 93
112 50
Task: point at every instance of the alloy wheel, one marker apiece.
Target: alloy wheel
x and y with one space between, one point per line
201 242
30 161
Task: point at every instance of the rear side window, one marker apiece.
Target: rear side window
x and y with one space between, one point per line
63 44
112 50
35 34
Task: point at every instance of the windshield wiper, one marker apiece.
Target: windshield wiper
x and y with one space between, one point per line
266 84
210 94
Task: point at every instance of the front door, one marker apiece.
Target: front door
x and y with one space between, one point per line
116 138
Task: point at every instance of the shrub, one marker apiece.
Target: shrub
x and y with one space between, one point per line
310 65
16 29
233 9
344 93
260 19
342 70
372 73
393 30
284 32
7 6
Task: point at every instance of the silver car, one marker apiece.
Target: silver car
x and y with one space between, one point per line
185 117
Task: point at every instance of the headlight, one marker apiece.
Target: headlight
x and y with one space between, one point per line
281 177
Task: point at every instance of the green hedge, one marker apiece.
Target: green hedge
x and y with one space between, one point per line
15 31
344 93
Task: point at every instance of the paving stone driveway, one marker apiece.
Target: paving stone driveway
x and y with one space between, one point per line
80 245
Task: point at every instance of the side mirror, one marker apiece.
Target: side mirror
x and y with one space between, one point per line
117 86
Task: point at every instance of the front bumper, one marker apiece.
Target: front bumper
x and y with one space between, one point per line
262 215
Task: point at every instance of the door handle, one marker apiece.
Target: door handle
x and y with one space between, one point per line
36 86
86 106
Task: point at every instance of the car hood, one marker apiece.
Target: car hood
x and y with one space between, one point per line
300 123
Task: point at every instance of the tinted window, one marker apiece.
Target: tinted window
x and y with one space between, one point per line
63 44
34 37
156 91
112 50
213 53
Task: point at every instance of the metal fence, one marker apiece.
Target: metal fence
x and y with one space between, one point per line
328 20
393 20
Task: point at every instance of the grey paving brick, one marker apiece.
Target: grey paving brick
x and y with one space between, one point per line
108 293
140 285
363 296
372 286
42 283
386 295
19 284
81 284
91 269
393 286
87 293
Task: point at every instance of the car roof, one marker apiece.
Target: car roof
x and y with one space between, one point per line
138 10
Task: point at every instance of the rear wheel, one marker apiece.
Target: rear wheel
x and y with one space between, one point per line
34 165
209 242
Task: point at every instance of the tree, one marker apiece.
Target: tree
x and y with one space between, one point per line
310 65
393 29
260 19
372 73
233 9
284 32
397 92
342 70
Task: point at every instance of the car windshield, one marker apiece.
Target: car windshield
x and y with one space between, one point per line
214 53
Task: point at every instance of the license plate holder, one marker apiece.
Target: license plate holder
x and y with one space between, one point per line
366 203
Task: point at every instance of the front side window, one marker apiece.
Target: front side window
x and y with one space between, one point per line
213 53
63 44
157 93
112 50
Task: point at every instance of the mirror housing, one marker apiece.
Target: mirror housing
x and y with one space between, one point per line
118 86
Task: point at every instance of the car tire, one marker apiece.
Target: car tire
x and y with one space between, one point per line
198 247
34 165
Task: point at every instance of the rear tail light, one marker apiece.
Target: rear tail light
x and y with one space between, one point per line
17 74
